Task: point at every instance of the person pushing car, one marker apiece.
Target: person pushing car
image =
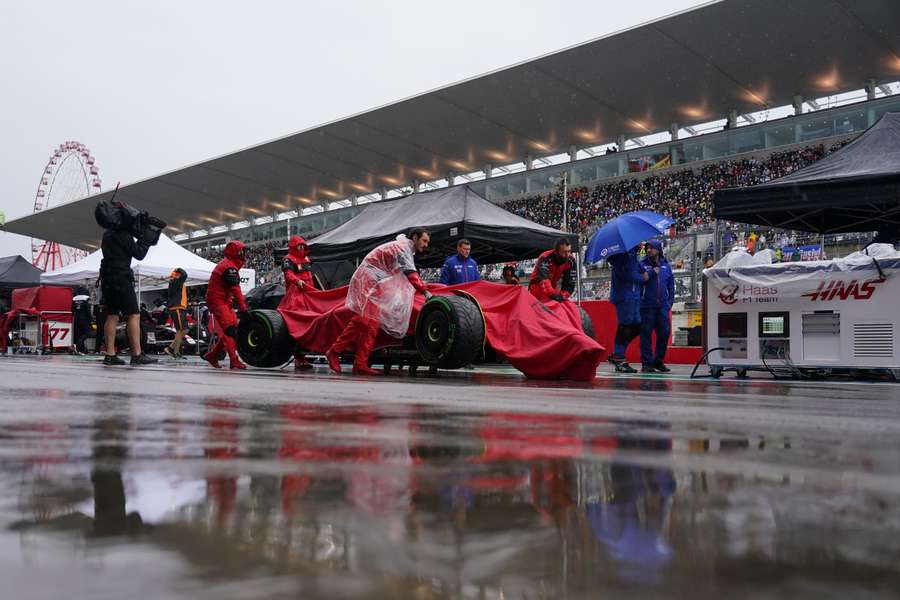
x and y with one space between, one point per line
381 294
553 277
298 278
223 289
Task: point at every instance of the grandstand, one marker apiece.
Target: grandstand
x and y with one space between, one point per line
687 112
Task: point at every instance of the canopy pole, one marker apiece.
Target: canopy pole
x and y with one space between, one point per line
578 275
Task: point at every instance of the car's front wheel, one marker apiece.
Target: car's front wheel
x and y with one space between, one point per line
449 332
263 339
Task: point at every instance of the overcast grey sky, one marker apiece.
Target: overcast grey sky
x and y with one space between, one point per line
153 86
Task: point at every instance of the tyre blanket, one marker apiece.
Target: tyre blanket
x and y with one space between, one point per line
542 341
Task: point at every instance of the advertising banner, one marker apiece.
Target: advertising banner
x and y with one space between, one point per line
248 280
824 281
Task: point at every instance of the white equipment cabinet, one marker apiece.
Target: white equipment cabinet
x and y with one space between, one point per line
815 318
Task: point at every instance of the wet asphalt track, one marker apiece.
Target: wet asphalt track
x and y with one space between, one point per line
179 481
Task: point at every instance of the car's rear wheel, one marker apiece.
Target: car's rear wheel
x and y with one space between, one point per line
587 326
263 339
449 332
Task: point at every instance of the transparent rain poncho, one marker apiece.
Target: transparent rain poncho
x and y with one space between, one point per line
379 288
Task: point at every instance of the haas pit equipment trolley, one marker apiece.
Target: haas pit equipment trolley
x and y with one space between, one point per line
805 319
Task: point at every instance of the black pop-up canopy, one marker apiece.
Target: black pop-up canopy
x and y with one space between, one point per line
856 188
449 214
17 272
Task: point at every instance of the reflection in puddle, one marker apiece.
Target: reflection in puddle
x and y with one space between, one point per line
418 502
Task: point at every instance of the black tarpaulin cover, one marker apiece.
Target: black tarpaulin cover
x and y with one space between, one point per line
857 188
16 272
450 214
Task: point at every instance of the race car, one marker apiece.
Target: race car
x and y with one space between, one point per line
456 327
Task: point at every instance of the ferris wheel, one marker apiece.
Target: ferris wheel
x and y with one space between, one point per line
70 174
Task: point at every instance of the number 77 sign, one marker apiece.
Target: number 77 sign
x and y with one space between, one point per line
58 334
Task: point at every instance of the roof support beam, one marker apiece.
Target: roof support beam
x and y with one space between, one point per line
870 89
673 131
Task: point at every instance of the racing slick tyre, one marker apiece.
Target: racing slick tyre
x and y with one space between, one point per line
587 326
449 332
263 340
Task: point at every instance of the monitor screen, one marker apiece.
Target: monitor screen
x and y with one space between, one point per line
733 325
774 324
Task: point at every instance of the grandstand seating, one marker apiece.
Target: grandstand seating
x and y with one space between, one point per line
685 195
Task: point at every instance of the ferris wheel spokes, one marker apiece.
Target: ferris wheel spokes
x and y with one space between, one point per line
71 173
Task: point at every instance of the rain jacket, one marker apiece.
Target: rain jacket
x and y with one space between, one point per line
659 291
296 266
552 276
225 282
457 269
626 278
383 285
177 294
118 249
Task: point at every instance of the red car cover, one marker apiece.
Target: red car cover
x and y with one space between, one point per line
542 341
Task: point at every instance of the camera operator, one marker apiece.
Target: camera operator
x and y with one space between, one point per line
117 285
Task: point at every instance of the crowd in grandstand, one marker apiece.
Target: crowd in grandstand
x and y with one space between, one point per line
685 195
260 257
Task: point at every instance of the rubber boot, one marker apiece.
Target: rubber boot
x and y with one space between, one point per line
233 359
344 341
212 357
364 349
334 360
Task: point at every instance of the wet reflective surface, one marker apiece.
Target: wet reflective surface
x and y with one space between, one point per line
500 488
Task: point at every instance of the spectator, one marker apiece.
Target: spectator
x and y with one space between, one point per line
460 268
684 195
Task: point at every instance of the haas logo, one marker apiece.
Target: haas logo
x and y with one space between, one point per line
728 294
840 290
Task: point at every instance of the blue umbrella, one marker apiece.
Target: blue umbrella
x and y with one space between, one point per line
625 232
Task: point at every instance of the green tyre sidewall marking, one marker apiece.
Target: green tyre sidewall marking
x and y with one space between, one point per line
265 320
